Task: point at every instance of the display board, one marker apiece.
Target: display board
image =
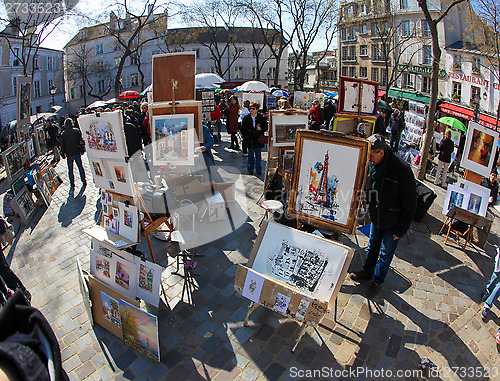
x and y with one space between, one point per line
23 84
104 135
480 149
24 205
329 172
207 98
253 97
13 159
285 127
479 196
174 76
415 122
358 96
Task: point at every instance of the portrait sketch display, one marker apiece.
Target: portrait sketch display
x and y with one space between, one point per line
140 330
328 176
480 148
173 139
314 265
284 128
455 196
103 135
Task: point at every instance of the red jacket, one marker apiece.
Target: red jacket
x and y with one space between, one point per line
216 114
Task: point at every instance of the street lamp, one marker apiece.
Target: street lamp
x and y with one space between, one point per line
53 90
268 78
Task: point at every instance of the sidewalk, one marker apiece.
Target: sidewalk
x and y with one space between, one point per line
427 307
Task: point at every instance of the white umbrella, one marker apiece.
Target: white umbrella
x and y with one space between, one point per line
207 80
112 100
97 104
253 86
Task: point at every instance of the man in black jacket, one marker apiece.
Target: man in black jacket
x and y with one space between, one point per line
380 123
253 127
397 124
392 200
72 147
51 132
445 149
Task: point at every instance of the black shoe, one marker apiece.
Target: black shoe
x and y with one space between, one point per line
484 296
360 275
259 173
372 291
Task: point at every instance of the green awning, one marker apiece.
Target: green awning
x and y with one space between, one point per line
411 96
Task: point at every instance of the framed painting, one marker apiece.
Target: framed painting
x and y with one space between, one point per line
42 187
285 127
140 330
480 148
314 265
40 141
183 107
99 173
19 184
358 96
23 85
24 205
173 139
253 97
329 172
455 196
13 160
300 100
286 159
479 196
121 180
148 281
103 135
128 216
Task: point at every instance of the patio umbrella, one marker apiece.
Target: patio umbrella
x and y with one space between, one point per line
111 101
207 80
384 106
452 122
280 93
149 88
253 86
329 94
129 94
97 104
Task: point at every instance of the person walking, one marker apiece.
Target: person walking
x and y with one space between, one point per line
253 127
392 200
72 147
380 123
215 118
142 122
316 116
492 291
445 149
329 112
232 122
397 125
244 111
51 137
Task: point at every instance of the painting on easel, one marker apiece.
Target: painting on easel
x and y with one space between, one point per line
173 139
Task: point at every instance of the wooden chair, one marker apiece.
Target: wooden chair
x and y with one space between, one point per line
465 217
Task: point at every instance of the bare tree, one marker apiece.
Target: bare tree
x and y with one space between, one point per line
78 66
433 20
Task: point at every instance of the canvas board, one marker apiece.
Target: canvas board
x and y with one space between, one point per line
121 180
479 196
140 330
174 76
455 196
284 128
328 177
13 160
103 135
369 98
350 91
129 221
253 97
480 149
99 173
358 96
300 100
173 139
148 281
305 261
24 205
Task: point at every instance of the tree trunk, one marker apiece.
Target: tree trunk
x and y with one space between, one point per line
119 74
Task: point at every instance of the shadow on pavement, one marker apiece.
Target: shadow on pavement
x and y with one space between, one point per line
72 208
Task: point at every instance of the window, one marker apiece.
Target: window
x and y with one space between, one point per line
197 50
426 31
475 94
271 71
14 86
50 83
255 52
15 57
352 53
363 29
375 52
343 34
98 49
134 59
50 63
238 72
35 63
38 92
345 53
363 50
375 77
99 65
352 33
345 71
457 91
426 84
384 77
406 55
72 93
213 70
403 4
426 55
457 61
363 72
134 78
100 86
406 28
476 65
408 81
352 72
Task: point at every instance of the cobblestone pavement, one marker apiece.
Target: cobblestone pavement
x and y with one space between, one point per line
427 307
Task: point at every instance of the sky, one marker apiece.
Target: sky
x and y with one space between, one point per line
69 25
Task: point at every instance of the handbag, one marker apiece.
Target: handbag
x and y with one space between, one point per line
263 139
416 161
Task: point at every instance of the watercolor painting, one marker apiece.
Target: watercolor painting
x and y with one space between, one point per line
140 330
173 139
111 309
146 277
127 218
97 168
122 276
120 174
102 266
480 149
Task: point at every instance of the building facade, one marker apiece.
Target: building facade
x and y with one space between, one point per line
46 69
242 56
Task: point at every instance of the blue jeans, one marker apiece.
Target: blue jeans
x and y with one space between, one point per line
254 159
380 239
493 289
78 160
